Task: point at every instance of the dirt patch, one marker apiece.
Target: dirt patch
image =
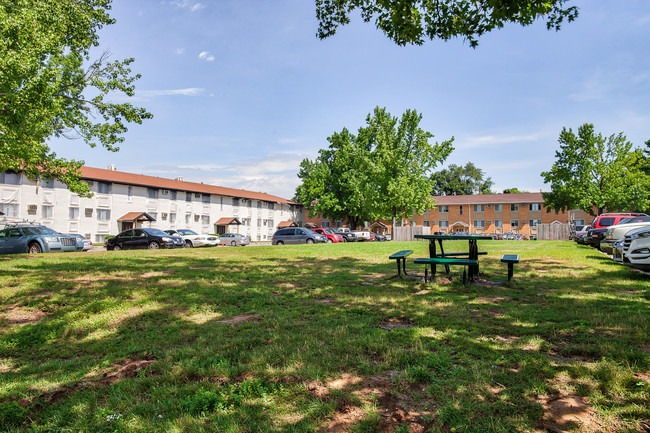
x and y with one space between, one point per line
201 267
324 301
239 319
488 283
489 300
422 292
562 413
21 316
397 323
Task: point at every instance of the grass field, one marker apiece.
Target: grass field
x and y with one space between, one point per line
322 338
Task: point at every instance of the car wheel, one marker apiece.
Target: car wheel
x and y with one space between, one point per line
188 244
34 248
233 243
310 241
280 243
329 241
154 246
117 248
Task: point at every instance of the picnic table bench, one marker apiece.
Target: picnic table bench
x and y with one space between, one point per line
447 261
510 259
400 257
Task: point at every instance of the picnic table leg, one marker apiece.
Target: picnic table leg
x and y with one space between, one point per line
510 270
432 253
404 266
442 254
399 273
473 255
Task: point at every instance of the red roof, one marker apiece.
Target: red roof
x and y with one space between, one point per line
103 175
526 197
136 216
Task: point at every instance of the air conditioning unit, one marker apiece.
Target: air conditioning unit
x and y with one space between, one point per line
489 221
197 195
165 192
32 207
489 205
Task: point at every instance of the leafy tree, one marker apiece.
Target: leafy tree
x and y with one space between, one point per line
49 87
461 180
596 172
513 191
413 21
379 173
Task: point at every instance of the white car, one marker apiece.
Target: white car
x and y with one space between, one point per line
617 231
193 239
636 248
87 242
362 235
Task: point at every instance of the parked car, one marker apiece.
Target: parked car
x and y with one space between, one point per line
348 236
331 235
87 242
234 239
362 235
143 238
193 239
35 239
380 238
636 248
609 219
594 236
616 232
297 235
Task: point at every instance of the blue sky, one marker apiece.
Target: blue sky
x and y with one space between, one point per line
242 90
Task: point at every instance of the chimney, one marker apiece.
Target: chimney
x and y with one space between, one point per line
112 167
179 178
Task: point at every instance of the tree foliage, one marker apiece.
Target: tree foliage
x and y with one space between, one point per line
414 21
596 172
380 173
50 87
513 191
461 180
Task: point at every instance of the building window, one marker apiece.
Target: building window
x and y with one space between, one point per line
46 211
73 213
514 223
10 178
235 202
498 223
196 218
205 219
153 215
9 209
152 192
130 192
271 206
197 195
164 216
103 214
425 223
325 224
259 221
88 212
443 224
535 206
188 218
579 222
479 223
533 223
479 208
259 205
443 209
514 207
205 198
31 209
172 195
172 217
47 183
249 203
103 187
498 208
460 210
188 196
271 223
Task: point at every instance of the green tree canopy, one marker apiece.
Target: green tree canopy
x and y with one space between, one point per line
592 172
461 180
50 87
513 191
414 21
380 173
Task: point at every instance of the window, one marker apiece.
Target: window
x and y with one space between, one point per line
498 223
196 218
479 208
104 214
205 219
130 192
460 211
443 209
188 218
47 183
533 223
259 222
73 213
249 203
31 209
479 223
271 206
10 178
164 216
165 192
46 211
152 192
172 195
514 223
514 207
9 209
271 223
205 198
259 205
498 208
425 223
188 196
103 187
88 212
172 217
325 224
153 215
235 202
197 195
535 206
442 224
579 222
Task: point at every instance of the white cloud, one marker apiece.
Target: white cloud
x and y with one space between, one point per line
205 55
484 141
190 91
192 6
180 51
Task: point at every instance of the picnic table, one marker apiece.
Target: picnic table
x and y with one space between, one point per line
451 258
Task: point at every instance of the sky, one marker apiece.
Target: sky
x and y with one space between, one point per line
242 90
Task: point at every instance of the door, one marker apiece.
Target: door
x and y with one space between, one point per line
14 242
140 239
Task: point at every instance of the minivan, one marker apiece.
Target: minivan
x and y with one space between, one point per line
296 235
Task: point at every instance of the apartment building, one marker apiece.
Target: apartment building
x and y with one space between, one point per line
124 200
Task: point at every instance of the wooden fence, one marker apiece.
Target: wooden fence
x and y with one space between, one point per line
553 232
408 233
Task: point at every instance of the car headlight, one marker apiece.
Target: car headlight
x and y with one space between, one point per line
49 239
640 235
168 240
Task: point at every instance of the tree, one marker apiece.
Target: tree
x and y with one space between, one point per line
381 172
413 21
49 87
513 191
592 172
459 180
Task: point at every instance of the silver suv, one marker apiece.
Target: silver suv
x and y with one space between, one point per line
35 239
297 235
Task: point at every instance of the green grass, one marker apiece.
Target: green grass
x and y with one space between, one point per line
320 338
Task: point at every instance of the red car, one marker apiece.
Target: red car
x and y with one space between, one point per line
332 237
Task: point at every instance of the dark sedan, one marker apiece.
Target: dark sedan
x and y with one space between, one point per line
143 238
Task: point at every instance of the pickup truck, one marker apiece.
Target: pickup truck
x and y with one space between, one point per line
362 235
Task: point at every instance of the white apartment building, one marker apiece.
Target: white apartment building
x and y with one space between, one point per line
124 200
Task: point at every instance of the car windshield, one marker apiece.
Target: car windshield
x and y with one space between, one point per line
186 232
156 232
41 231
328 231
